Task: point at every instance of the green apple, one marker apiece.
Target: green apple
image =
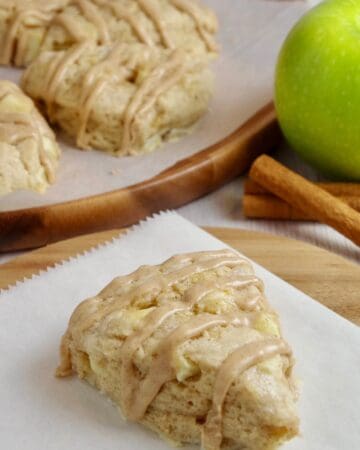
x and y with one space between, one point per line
317 88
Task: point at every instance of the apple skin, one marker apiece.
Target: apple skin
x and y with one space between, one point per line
317 88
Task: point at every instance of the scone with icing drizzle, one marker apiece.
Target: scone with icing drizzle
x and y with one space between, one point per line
191 349
124 99
29 153
169 24
28 27
23 27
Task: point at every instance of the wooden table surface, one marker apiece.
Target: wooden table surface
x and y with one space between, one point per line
328 278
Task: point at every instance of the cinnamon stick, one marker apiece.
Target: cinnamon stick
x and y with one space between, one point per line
335 188
306 196
267 206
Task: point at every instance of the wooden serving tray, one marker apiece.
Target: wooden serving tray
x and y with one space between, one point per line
187 180
329 278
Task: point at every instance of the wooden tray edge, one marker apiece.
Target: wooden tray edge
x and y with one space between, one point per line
187 180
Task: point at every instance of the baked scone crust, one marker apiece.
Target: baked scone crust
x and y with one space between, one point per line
23 27
191 349
169 24
124 99
29 153
28 27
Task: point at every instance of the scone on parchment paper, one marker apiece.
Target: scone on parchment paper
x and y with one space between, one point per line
29 153
125 98
170 24
23 26
191 349
28 27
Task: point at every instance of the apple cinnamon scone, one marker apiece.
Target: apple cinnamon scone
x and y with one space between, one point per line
125 98
167 23
23 26
29 153
191 349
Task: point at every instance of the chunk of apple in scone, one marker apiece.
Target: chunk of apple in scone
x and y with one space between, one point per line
124 99
185 24
191 349
29 154
23 27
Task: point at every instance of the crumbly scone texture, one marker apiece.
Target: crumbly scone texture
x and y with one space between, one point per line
29 153
28 27
124 99
23 27
259 408
182 24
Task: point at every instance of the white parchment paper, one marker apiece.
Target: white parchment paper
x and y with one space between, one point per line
39 412
251 33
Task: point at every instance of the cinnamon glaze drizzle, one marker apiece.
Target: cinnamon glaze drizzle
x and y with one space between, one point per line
123 14
152 10
119 64
192 9
12 35
149 281
17 127
52 13
91 13
236 363
32 14
160 80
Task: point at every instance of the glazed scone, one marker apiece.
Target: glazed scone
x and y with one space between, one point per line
23 26
191 349
170 24
124 99
29 153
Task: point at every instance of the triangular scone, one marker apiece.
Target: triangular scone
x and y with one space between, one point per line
23 26
29 153
191 349
169 24
124 99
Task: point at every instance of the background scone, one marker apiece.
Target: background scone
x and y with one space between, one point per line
29 153
125 98
23 26
167 23
191 349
